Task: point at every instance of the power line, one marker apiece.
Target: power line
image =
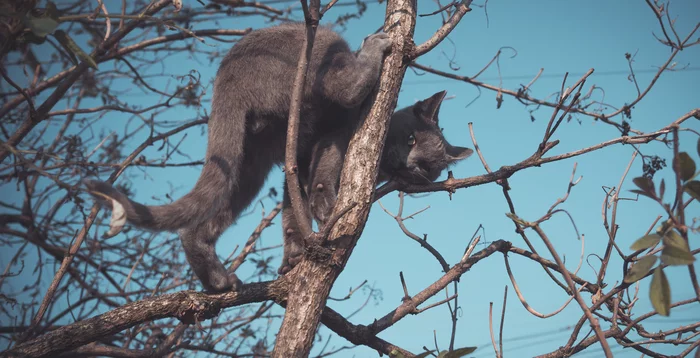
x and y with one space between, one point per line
344 3
510 340
550 75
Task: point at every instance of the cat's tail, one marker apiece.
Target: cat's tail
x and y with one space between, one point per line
187 211
211 194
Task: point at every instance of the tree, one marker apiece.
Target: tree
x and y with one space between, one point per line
133 295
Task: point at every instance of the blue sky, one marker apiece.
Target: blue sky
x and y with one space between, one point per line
560 37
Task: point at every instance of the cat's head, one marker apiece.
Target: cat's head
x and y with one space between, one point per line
415 150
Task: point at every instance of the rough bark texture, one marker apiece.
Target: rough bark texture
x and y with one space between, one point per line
192 307
188 306
313 278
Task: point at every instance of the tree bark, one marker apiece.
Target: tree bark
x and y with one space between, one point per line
188 306
313 278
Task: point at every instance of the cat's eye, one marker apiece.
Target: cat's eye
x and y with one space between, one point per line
411 140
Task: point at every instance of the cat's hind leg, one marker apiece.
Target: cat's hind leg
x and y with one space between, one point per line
200 249
324 174
293 240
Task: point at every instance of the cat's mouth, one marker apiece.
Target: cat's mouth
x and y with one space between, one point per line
417 174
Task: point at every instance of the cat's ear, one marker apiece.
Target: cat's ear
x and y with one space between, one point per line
429 108
456 153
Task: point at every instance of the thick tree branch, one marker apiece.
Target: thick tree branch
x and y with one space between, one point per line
190 307
187 306
314 277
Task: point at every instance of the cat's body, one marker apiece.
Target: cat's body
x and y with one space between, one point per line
247 135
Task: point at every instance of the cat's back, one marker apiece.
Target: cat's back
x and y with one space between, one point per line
258 72
280 46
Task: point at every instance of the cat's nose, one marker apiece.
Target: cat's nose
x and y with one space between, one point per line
424 165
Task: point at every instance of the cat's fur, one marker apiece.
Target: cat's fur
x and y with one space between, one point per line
415 151
247 134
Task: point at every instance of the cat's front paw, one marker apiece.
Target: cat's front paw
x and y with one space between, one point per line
377 43
288 263
222 282
322 200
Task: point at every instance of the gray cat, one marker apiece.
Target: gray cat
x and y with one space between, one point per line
415 151
247 135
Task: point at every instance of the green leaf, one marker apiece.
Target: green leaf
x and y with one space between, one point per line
647 186
643 193
460 352
693 188
664 227
640 268
40 26
44 24
662 189
686 166
51 10
424 354
73 48
646 242
87 58
68 45
516 219
30 37
660 292
676 256
396 354
673 238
